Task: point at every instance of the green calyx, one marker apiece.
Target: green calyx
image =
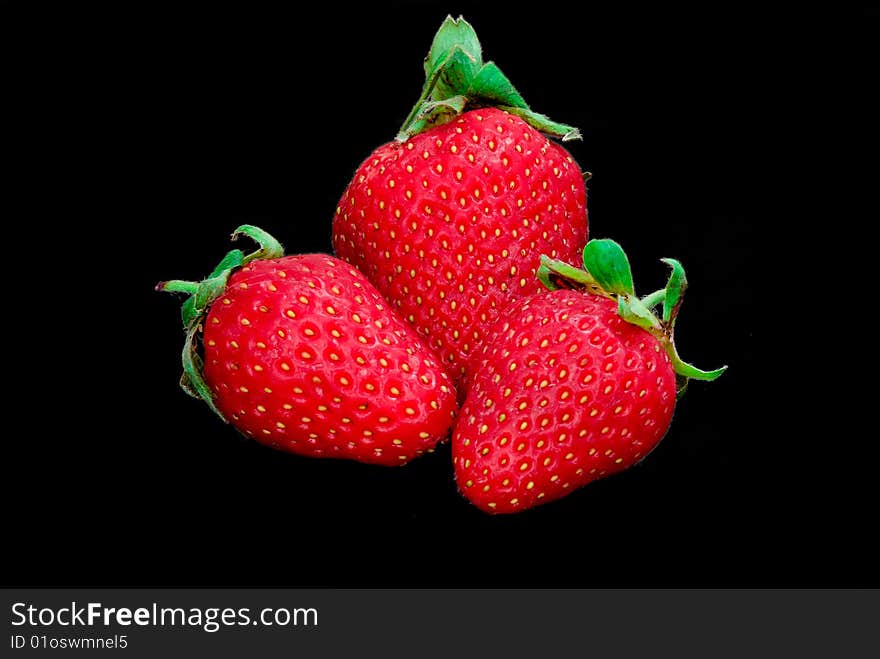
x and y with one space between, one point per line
607 273
202 294
457 79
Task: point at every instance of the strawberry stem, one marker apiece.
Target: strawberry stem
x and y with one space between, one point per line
457 79
202 294
607 273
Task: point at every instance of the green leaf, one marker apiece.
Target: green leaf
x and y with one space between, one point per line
454 34
233 259
558 274
675 288
606 261
436 111
213 286
684 369
632 310
653 299
188 312
681 386
454 104
453 77
694 373
269 247
177 286
544 124
491 85
544 276
210 289
192 381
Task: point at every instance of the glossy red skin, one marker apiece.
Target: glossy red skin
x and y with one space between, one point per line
450 225
595 399
375 393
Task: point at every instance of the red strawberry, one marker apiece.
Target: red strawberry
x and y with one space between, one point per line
302 353
572 385
449 221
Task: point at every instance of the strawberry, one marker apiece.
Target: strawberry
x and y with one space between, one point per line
449 220
302 353
573 385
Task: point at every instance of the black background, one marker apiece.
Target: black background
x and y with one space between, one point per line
144 135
